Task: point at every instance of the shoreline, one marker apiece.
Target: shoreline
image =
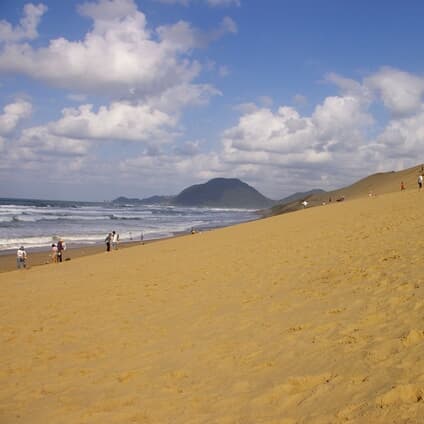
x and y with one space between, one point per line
41 255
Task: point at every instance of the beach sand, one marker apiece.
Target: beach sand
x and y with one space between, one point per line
309 317
43 256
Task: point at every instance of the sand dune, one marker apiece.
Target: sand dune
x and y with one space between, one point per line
310 317
375 185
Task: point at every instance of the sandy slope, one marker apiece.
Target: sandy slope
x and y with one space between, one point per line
310 317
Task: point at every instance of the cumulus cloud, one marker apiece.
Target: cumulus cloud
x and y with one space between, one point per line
148 73
339 142
283 143
39 141
120 57
27 28
118 121
13 114
400 91
403 137
350 87
36 153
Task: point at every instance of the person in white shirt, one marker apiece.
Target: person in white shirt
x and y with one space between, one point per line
21 257
54 253
115 239
420 182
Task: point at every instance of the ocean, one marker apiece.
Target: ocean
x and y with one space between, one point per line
38 223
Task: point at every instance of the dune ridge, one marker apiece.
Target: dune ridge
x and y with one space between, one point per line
372 185
310 317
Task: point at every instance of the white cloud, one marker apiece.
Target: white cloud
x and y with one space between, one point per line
120 57
188 148
350 87
118 121
13 114
39 141
178 97
27 28
297 150
403 137
400 91
339 121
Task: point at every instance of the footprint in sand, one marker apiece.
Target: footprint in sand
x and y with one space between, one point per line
295 391
404 393
336 310
296 329
414 337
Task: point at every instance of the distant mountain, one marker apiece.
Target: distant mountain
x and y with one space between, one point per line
157 200
223 192
153 200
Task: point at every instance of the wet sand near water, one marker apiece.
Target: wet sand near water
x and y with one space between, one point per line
43 257
310 317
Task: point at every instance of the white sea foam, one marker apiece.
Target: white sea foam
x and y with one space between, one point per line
39 223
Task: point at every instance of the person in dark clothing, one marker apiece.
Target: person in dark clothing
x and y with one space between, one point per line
60 249
108 240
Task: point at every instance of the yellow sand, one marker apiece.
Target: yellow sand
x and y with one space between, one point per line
311 317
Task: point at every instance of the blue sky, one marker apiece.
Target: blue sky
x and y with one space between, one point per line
140 97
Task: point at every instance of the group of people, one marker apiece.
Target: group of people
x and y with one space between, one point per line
56 254
112 239
57 251
420 181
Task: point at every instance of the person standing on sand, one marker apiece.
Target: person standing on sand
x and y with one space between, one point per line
108 239
21 257
60 249
54 253
420 182
402 186
115 239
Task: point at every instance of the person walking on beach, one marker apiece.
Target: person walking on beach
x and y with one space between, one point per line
115 239
402 186
21 257
108 240
420 182
61 247
54 253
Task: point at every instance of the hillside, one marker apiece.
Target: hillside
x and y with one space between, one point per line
223 192
375 184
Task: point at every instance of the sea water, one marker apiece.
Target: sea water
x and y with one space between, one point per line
39 223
